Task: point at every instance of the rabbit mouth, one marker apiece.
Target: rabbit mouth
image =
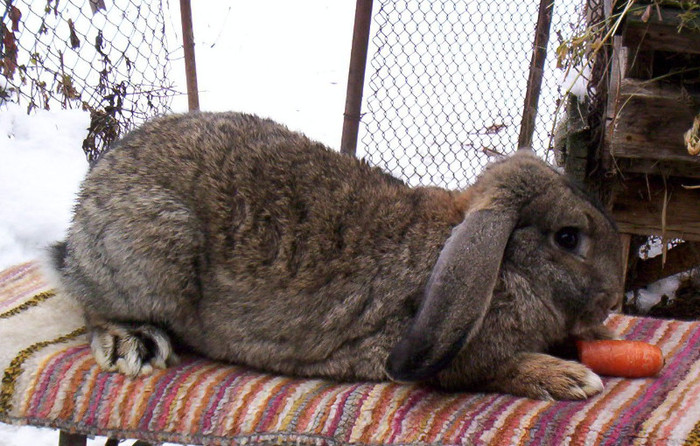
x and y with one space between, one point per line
604 303
600 316
589 320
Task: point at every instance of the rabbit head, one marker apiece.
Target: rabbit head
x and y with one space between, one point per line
530 229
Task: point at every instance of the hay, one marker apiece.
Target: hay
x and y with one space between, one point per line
692 137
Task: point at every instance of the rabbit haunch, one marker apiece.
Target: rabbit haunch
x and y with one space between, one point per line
250 243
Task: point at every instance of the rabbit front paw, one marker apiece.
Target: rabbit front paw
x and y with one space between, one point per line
544 377
131 349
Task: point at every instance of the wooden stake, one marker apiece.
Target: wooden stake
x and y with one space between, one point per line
534 82
356 76
188 45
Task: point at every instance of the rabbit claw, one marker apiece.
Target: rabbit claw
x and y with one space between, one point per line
133 350
573 385
544 377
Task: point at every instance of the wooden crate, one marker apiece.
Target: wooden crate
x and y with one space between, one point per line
649 110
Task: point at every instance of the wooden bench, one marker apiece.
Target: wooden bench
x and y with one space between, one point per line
50 379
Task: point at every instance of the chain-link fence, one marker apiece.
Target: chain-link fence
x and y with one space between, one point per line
107 57
447 84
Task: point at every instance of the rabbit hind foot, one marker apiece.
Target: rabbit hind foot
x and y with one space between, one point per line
131 349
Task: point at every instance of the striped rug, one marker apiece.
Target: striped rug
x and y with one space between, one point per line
50 379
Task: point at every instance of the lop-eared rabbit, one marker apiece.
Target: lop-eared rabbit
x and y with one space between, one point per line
243 241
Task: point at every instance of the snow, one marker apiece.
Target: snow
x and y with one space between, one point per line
576 81
41 169
27 435
650 295
35 436
279 59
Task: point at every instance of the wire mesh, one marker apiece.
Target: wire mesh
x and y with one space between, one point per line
109 59
447 83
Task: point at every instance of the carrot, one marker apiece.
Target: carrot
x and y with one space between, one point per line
629 359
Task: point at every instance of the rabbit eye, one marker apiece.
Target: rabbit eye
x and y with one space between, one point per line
567 238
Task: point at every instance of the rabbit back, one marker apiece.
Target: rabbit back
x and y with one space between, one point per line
253 244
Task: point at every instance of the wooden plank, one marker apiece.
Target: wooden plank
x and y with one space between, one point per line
617 73
651 119
638 207
68 439
618 68
662 34
662 168
578 137
640 63
626 240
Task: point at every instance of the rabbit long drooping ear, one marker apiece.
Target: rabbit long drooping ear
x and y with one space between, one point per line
468 265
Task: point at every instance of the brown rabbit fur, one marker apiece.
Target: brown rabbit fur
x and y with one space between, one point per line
249 243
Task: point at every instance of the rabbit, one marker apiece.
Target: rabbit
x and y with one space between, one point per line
235 238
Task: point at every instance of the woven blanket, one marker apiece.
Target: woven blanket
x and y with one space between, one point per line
51 379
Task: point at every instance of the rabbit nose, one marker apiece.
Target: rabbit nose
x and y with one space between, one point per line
609 301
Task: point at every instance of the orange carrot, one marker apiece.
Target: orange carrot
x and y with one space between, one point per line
629 359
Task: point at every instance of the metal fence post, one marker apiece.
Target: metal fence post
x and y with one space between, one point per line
356 76
534 82
188 45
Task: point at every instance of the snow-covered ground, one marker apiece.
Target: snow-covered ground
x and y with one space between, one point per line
278 67
42 165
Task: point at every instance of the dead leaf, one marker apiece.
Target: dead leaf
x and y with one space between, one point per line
15 16
97 5
494 128
74 40
490 152
9 62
